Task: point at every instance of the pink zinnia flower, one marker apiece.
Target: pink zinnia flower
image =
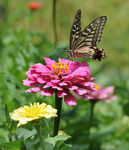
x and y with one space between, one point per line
34 6
62 77
105 94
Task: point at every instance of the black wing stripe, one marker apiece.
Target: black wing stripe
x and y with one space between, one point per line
76 28
98 31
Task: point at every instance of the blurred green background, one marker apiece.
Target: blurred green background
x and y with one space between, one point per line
26 37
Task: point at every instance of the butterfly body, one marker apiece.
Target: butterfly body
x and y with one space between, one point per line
84 43
92 52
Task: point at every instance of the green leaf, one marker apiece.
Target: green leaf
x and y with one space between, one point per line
2 111
2 140
49 146
64 146
8 120
79 147
126 109
57 138
24 133
15 145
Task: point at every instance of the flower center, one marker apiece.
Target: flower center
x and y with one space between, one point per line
60 68
97 86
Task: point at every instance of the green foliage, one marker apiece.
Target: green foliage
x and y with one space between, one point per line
23 133
15 145
26 37
60 139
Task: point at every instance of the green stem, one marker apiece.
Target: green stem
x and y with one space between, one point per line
91 112
54 22
39 132
58 106
6 8
3 22
10 136
92 105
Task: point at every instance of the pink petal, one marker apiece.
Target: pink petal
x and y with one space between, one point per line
50 84
108 90
73 87
29 82
80 91
88 85
49 62
81 71
102 96
84 64
83 68
111 98
34 89
40 80
73 65
55 81
78 65
57 87
47 92
89 97
60 60
65 83
38 65
30 75
54 77
70 100
42 69
61 93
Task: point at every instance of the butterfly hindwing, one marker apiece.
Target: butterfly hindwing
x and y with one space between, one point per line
91 35
76 29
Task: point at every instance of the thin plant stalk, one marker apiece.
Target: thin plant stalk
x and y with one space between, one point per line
3 19
91 112
54 22
91 116
58 106
39 133
8 122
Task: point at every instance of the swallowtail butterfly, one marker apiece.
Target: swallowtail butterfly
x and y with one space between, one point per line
84 43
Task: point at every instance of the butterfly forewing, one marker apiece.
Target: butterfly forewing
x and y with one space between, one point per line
91 35
99 28
76 29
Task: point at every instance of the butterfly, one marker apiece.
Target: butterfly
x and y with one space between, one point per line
84 43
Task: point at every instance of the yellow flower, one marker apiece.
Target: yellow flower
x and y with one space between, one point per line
60 132
33 112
